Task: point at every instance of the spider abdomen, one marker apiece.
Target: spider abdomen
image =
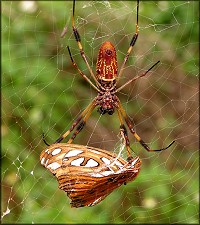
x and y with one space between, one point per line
106 67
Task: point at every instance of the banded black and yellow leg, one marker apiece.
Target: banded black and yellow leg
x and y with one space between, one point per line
80 72
89 108
78 40
81 124
136 77
138 138
132 43
124 134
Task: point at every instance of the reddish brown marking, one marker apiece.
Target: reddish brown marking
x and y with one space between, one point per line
106 67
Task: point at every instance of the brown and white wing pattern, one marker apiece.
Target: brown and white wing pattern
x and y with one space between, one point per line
88 174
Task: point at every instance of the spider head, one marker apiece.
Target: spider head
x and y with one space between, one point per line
103 111
106 67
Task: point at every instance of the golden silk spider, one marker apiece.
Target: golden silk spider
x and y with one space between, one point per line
106 80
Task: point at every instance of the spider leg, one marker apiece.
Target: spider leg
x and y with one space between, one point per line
138 138
43 138
124 134
132 43
81 124
80 72
135 78
89 109
78 40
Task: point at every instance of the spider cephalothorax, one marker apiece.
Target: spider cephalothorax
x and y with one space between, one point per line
107 101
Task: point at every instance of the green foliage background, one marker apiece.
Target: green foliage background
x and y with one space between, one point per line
42 92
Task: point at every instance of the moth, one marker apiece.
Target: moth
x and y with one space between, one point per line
88 174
